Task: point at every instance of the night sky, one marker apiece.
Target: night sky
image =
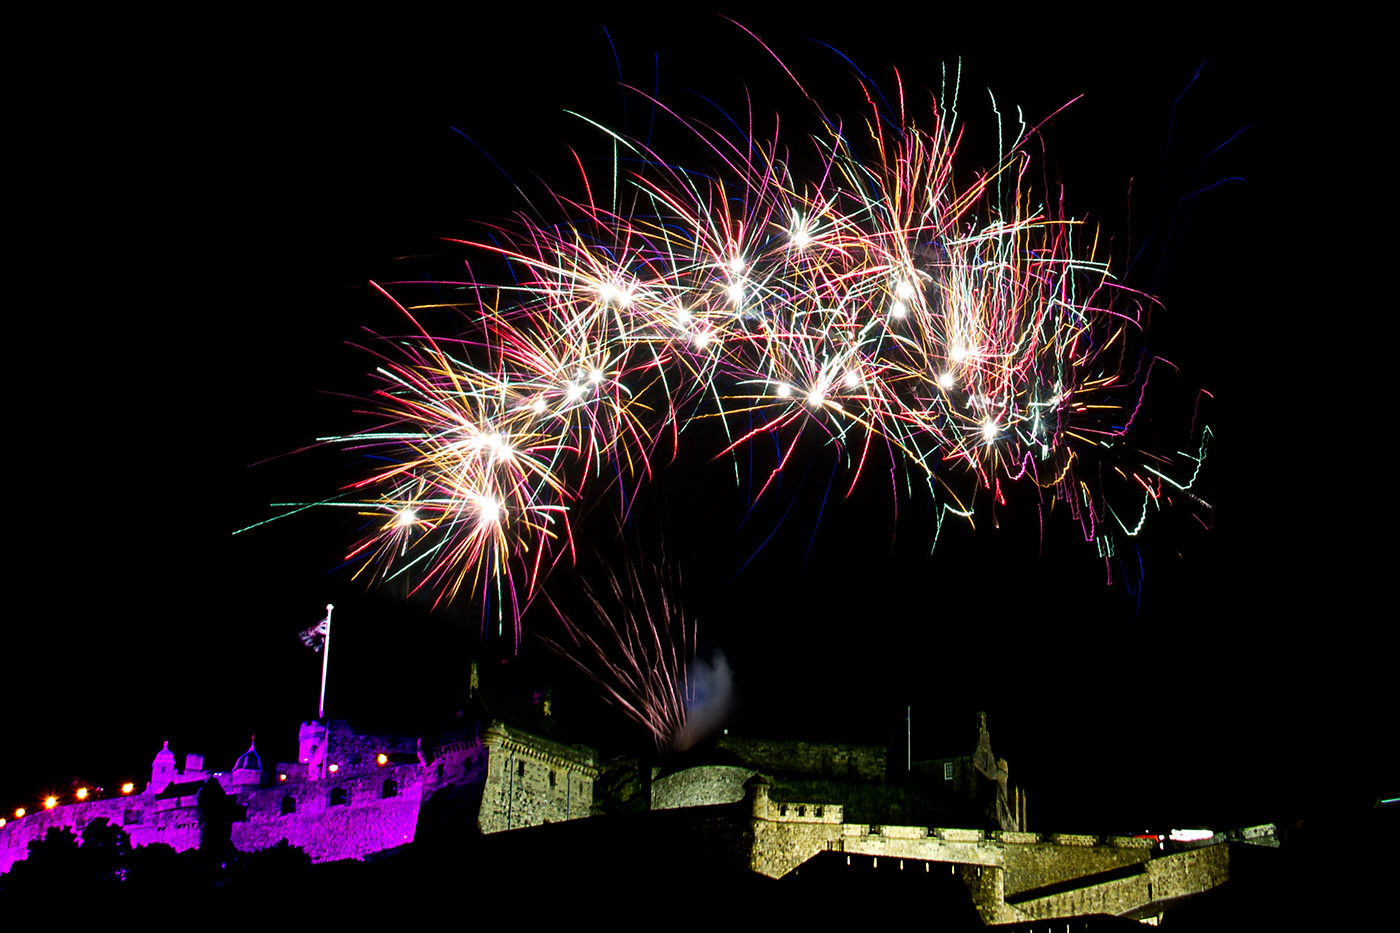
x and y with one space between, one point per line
203 230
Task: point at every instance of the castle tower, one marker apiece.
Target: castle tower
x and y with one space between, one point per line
311 748
247 770
162 770
756 790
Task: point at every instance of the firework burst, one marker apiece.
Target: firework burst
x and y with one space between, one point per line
966 331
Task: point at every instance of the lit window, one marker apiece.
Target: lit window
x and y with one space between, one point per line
947 770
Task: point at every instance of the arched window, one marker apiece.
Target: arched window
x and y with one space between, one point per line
289 804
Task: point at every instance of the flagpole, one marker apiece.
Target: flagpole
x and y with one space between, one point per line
325 662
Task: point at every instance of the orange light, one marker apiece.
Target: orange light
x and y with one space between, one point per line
50 803
128 787
281 777
19 812
82 793
383 759
335 768
2 821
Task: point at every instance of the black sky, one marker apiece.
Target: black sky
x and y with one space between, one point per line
203 223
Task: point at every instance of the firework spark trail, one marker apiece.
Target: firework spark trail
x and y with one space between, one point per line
642 656
873 304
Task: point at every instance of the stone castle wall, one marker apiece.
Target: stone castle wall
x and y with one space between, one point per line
16 835
864 763
344 816
1037 865
1161 881
354 751
705 786
529 782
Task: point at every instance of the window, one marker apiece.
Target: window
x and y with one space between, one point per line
520 768
947 770
551 778
439 771
390 789
340 796
289 804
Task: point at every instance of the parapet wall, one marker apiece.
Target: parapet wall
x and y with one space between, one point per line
864 763
16 835
1038 865
704 786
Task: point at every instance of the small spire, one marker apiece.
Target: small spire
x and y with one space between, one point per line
249 760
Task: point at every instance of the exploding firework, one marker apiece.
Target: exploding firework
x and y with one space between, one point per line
961 329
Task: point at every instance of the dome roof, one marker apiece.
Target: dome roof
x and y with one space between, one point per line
165 755
249 760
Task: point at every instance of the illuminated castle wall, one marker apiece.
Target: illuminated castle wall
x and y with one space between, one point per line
349 794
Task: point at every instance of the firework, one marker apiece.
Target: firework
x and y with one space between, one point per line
870 301
639 649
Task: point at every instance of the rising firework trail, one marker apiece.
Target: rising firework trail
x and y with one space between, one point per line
636 645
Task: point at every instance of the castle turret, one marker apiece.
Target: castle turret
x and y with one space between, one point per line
248 768
311 747
756 790
162 770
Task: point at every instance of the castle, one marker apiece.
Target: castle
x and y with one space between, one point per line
501 770
501 765
350 794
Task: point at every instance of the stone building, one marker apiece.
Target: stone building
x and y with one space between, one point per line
351 794
965 767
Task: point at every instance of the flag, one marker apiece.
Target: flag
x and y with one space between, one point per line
315 637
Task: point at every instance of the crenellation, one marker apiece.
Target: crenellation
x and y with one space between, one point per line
1069 839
